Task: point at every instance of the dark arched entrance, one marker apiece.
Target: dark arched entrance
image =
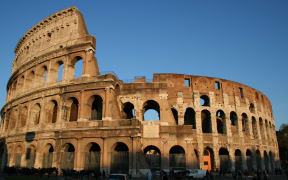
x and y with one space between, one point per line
68 154
153 157
177 159
92 157
120 158
225 163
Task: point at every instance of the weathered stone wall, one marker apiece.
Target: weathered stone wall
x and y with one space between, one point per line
68 116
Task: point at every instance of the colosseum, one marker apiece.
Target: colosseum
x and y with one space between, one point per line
54 117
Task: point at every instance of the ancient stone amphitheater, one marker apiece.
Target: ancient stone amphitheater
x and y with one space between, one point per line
54 117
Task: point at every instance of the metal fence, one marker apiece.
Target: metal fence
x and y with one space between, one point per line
92 161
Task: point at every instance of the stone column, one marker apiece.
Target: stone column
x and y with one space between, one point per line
38 160
107 112
164 155
90 66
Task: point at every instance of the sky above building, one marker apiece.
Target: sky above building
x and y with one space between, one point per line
244 41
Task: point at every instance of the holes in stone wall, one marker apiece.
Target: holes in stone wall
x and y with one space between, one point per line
175 115
252 108
151 110
128 109
187 82
254 127
35 113
189 117
241 92
74 110
206 121
204 100
78 67
96 109
217 85
245 125
60 71
221 122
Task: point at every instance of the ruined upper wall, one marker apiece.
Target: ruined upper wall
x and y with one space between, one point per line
54 32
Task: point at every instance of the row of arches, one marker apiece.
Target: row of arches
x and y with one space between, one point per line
46 73
150 157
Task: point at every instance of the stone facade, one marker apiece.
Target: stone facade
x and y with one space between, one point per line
52 118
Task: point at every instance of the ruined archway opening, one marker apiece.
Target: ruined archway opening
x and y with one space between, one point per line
47 160
189 117
245 125
266 161
177 158
97 108
261 124
206 121
151 111
208 159
92 157
233 122
254 127
119 158
249 159
78 67
225 163
252 108
60 71
68 155
35 114
204 100
128 109
175 115
258 160
221 122
73 109
152 157
23 118
30 156
238 160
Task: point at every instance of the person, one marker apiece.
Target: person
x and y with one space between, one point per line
149 175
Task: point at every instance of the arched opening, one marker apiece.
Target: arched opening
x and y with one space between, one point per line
258 160
204 100
189 117
175 115
225 162
48 156
151 111
249 159
68 157
254 127
208 159
153 157
23 117
128 109
51 111
266 161
92 158
96 109
3 155
238 160
206 121
74 109
78 67
271 157
252 108
13 118
119 158
44 74
30 156
30 80
177 158
18 156
21 83
221 122
245 125
60 71
35 113
261 124
233 122
196 162
267 130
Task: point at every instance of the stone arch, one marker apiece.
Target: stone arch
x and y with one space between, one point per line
52 111
245 124
177 158
221 122
234 122
43 74
254 127
30 156
267 129
258 160
175 114
35 113
23 116
48 152
204 100
13 118
249 159
208 159
238 160
96 102
14 87
68 154
154 109
21 82
206 121
119 158
153 157
189 117
128 110
73 105
30 80
252 108
266 161
18 156
225 162
92 157
262 132
77 63
60 70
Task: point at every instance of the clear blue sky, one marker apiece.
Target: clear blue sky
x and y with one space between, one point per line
244 41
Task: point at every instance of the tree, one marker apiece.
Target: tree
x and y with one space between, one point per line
282 137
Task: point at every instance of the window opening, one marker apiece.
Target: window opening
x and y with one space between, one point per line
204 100
187 82
241 93
60 71
217 85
